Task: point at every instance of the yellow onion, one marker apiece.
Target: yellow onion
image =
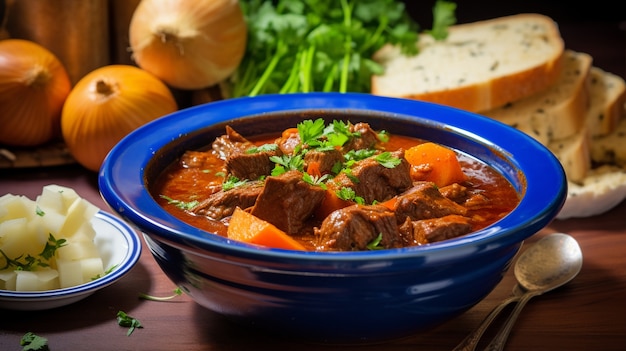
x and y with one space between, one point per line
106 105
33 87
189 44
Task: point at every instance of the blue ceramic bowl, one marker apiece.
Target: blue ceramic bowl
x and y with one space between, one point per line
325 297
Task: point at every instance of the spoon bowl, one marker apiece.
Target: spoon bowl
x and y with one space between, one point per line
550 263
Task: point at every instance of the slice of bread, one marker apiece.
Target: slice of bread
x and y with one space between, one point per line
611 149
480 66
608 96
557 112
574 155
603 189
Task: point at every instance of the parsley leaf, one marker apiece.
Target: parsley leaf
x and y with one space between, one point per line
183 205
29 262
262 148
177 292
33 342
348 194
124 320
387 160
311 130
317 181
376 243
233 182
318 45
286 163
443 17
51 246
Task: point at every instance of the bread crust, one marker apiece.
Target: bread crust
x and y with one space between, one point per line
608 93
557 112
539 50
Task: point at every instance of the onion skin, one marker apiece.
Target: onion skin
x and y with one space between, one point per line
106 105
33 87
189 44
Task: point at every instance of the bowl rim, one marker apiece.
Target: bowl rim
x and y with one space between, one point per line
130 258
124 193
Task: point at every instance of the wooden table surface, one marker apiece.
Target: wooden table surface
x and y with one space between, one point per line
587 314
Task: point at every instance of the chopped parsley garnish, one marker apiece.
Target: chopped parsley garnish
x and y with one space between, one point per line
262 148
310 131
383 136
348 194
233 182
387 160
124 320
357 155
29 262
98 276
33 342
183 205
314 180
319 136
376 243
287 163
177 292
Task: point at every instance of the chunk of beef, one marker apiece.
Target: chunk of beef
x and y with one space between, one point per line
375 182
436 229
423 201
477 201
325 159
352 228
367 138
469 199
250 165
200 160
288 202
230 143
222 204
455 192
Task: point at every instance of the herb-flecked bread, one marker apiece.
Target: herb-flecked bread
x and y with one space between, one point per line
480 66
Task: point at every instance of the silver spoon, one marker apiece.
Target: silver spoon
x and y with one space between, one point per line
550 263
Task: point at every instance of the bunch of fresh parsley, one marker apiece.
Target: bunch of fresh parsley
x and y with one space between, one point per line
324 45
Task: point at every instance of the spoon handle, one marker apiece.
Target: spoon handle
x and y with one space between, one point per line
497 344
470 341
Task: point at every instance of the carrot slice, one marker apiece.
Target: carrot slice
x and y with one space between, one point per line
443 167
391 203
248 228
330 203
313 169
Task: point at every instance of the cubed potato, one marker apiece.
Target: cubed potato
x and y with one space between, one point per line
57 198
48 223
26 225
16 206
93 268
85 232
19 239
44 279
7 279
80 211
70 272
78 250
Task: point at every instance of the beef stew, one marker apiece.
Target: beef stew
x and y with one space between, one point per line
334 186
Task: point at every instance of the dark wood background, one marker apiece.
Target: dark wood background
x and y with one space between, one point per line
602 23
